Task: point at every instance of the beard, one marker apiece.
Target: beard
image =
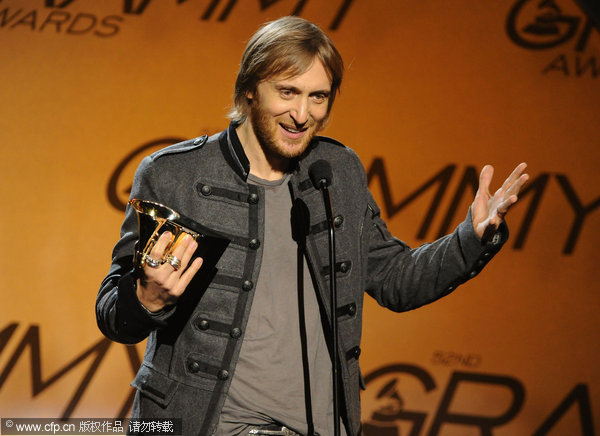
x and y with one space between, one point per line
267 131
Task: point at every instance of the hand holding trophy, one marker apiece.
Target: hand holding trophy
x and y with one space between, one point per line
165 251
164 282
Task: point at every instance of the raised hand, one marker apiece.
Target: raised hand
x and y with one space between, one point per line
165 282
489 210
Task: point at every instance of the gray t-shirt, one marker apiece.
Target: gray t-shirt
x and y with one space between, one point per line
268 383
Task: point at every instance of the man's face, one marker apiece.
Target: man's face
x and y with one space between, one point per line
287 112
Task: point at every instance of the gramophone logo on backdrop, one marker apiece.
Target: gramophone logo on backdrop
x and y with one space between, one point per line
408 400
551 25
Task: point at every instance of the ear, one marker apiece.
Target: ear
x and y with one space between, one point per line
249 95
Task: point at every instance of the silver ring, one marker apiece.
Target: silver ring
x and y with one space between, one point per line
151 262
173 261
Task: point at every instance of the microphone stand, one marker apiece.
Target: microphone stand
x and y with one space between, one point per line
332 305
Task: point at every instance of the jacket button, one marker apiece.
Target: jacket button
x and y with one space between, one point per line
352 309
206 190
344 267
473 274
235 333
247 285
338 221
199 140
223 374
253 198
356 352
193 366
254 244
203 324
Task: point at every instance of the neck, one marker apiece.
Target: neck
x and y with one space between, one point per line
262 165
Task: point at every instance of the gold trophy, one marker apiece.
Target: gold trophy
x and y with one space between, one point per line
154 219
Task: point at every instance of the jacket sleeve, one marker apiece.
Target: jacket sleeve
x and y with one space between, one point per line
402 278
119 314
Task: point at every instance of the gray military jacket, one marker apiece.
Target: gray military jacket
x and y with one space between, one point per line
193 346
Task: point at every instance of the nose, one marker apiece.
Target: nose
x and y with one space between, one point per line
299 111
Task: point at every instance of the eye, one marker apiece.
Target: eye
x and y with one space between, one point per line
286 93
320 97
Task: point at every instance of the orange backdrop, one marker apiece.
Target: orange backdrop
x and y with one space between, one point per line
433 91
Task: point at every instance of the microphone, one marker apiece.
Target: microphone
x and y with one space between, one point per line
321 176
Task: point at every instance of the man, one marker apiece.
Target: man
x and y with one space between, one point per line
249 349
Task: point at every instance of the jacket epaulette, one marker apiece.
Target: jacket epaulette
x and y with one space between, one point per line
180 147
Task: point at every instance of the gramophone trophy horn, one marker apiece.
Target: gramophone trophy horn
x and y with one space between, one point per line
154 219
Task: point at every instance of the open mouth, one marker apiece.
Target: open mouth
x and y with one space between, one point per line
292 130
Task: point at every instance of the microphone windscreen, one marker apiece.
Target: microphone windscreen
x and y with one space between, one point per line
320 173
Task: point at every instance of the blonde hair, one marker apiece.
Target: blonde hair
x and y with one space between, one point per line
287 45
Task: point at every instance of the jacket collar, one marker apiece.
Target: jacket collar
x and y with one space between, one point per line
234 152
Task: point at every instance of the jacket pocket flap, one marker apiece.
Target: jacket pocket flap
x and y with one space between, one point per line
155 385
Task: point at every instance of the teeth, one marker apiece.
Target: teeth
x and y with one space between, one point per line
289 129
